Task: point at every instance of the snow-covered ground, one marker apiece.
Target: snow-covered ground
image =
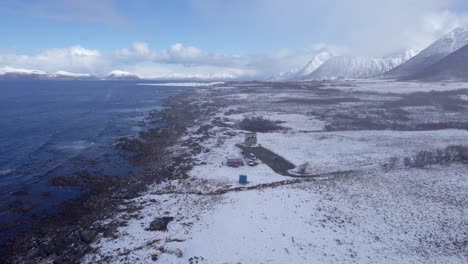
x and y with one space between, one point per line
384 86
400 217
183 84
334 151
371 215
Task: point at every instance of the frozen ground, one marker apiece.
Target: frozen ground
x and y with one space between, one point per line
372 215
400 217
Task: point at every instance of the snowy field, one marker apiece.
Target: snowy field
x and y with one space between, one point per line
396 87
370 215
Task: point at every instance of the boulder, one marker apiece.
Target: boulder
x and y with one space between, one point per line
47 249
110 231
64 181
160 223
88 235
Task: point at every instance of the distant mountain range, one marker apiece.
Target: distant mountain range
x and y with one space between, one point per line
352 67
443 60
9 73
327 66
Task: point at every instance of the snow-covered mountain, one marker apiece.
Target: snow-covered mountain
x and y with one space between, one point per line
435 52
453 67
354 67
314 64
122 75
10 73
298 73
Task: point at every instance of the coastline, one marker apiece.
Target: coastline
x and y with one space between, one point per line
336 217
189 207
155 150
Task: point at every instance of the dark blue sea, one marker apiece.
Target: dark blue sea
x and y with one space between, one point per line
57 128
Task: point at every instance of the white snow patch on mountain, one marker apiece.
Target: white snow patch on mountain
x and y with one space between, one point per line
183 84
353 67
315 63
121 73
317 60
72 74
7 69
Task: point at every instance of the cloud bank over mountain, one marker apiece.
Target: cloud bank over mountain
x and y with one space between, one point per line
365 28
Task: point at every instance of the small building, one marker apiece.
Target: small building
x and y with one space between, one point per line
243 179
250 139
234 162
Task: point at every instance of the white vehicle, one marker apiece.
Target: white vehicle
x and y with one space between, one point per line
251 156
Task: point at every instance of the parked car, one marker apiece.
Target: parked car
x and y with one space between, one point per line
234 163
251 163
251 156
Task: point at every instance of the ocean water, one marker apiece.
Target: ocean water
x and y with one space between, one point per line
55 128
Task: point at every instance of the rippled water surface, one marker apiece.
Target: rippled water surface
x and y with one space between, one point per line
52 128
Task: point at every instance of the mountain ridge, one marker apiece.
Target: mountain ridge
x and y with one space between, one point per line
439 49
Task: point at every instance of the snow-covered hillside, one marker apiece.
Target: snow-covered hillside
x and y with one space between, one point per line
7 69
351 67
10 73
315 63
453 67
121 75
298 73
444 46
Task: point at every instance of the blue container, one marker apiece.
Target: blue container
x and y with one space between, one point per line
243 179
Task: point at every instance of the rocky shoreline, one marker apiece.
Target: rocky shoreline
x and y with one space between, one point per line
65 236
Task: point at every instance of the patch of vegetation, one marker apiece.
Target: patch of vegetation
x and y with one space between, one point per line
446 100
445 156
304 169
260 124
325 101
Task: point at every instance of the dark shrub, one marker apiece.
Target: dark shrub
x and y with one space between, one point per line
259 124
303 169
439 156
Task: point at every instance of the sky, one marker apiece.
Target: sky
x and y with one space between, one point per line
212 38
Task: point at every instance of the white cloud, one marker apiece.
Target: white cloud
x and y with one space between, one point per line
200 72
140 51
190 56
434 25
177 61
74 58
367 27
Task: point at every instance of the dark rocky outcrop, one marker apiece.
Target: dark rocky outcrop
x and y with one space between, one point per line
88 235
160 223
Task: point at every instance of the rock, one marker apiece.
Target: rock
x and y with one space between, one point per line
20 193
110 231
160 224
24 206
65 181
88 235
48 248
58 261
